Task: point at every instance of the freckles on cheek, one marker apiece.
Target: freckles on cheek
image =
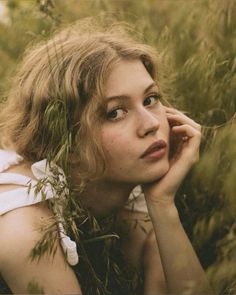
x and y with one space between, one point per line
108 140
114 143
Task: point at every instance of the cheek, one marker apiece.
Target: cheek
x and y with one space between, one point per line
115 143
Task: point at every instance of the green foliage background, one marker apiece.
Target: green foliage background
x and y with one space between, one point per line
197 43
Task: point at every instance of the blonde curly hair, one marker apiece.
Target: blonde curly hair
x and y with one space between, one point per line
56 103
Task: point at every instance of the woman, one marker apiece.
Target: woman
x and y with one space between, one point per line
83 125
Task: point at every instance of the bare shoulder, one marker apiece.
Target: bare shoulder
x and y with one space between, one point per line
24 169
21 224
20 231
22 220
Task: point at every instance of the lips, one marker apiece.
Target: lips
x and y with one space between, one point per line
155 150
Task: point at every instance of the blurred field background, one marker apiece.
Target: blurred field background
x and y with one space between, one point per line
197 45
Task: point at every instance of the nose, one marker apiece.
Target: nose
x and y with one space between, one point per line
148 123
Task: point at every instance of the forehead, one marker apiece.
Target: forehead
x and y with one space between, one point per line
127 76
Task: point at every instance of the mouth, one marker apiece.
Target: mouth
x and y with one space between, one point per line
155 151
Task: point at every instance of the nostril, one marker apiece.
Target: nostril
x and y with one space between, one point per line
147 123
151 131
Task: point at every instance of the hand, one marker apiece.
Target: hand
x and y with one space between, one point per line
188 133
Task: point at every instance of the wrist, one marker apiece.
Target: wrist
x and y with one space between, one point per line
166 202
163 208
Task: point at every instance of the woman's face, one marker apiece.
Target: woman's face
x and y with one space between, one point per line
135 133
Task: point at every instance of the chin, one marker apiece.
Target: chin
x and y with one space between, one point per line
158 173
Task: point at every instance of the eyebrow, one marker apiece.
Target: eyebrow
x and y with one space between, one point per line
115 97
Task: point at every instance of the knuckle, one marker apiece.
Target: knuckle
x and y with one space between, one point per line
198 134
199 127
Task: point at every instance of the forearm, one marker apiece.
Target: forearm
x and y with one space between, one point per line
181 266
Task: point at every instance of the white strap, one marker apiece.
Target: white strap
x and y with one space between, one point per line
8 158
21 197
68 246
14 178
42 169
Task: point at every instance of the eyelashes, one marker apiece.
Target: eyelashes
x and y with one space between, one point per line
117 113
152 99
120 111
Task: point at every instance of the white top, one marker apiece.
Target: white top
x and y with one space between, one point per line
23 196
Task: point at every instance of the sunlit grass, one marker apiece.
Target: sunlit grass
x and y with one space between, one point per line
197 45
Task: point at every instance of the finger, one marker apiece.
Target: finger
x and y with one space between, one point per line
183 119
189 150
186 130
172 111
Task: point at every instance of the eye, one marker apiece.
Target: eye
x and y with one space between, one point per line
116 114
152 99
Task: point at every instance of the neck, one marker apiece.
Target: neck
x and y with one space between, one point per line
103 197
